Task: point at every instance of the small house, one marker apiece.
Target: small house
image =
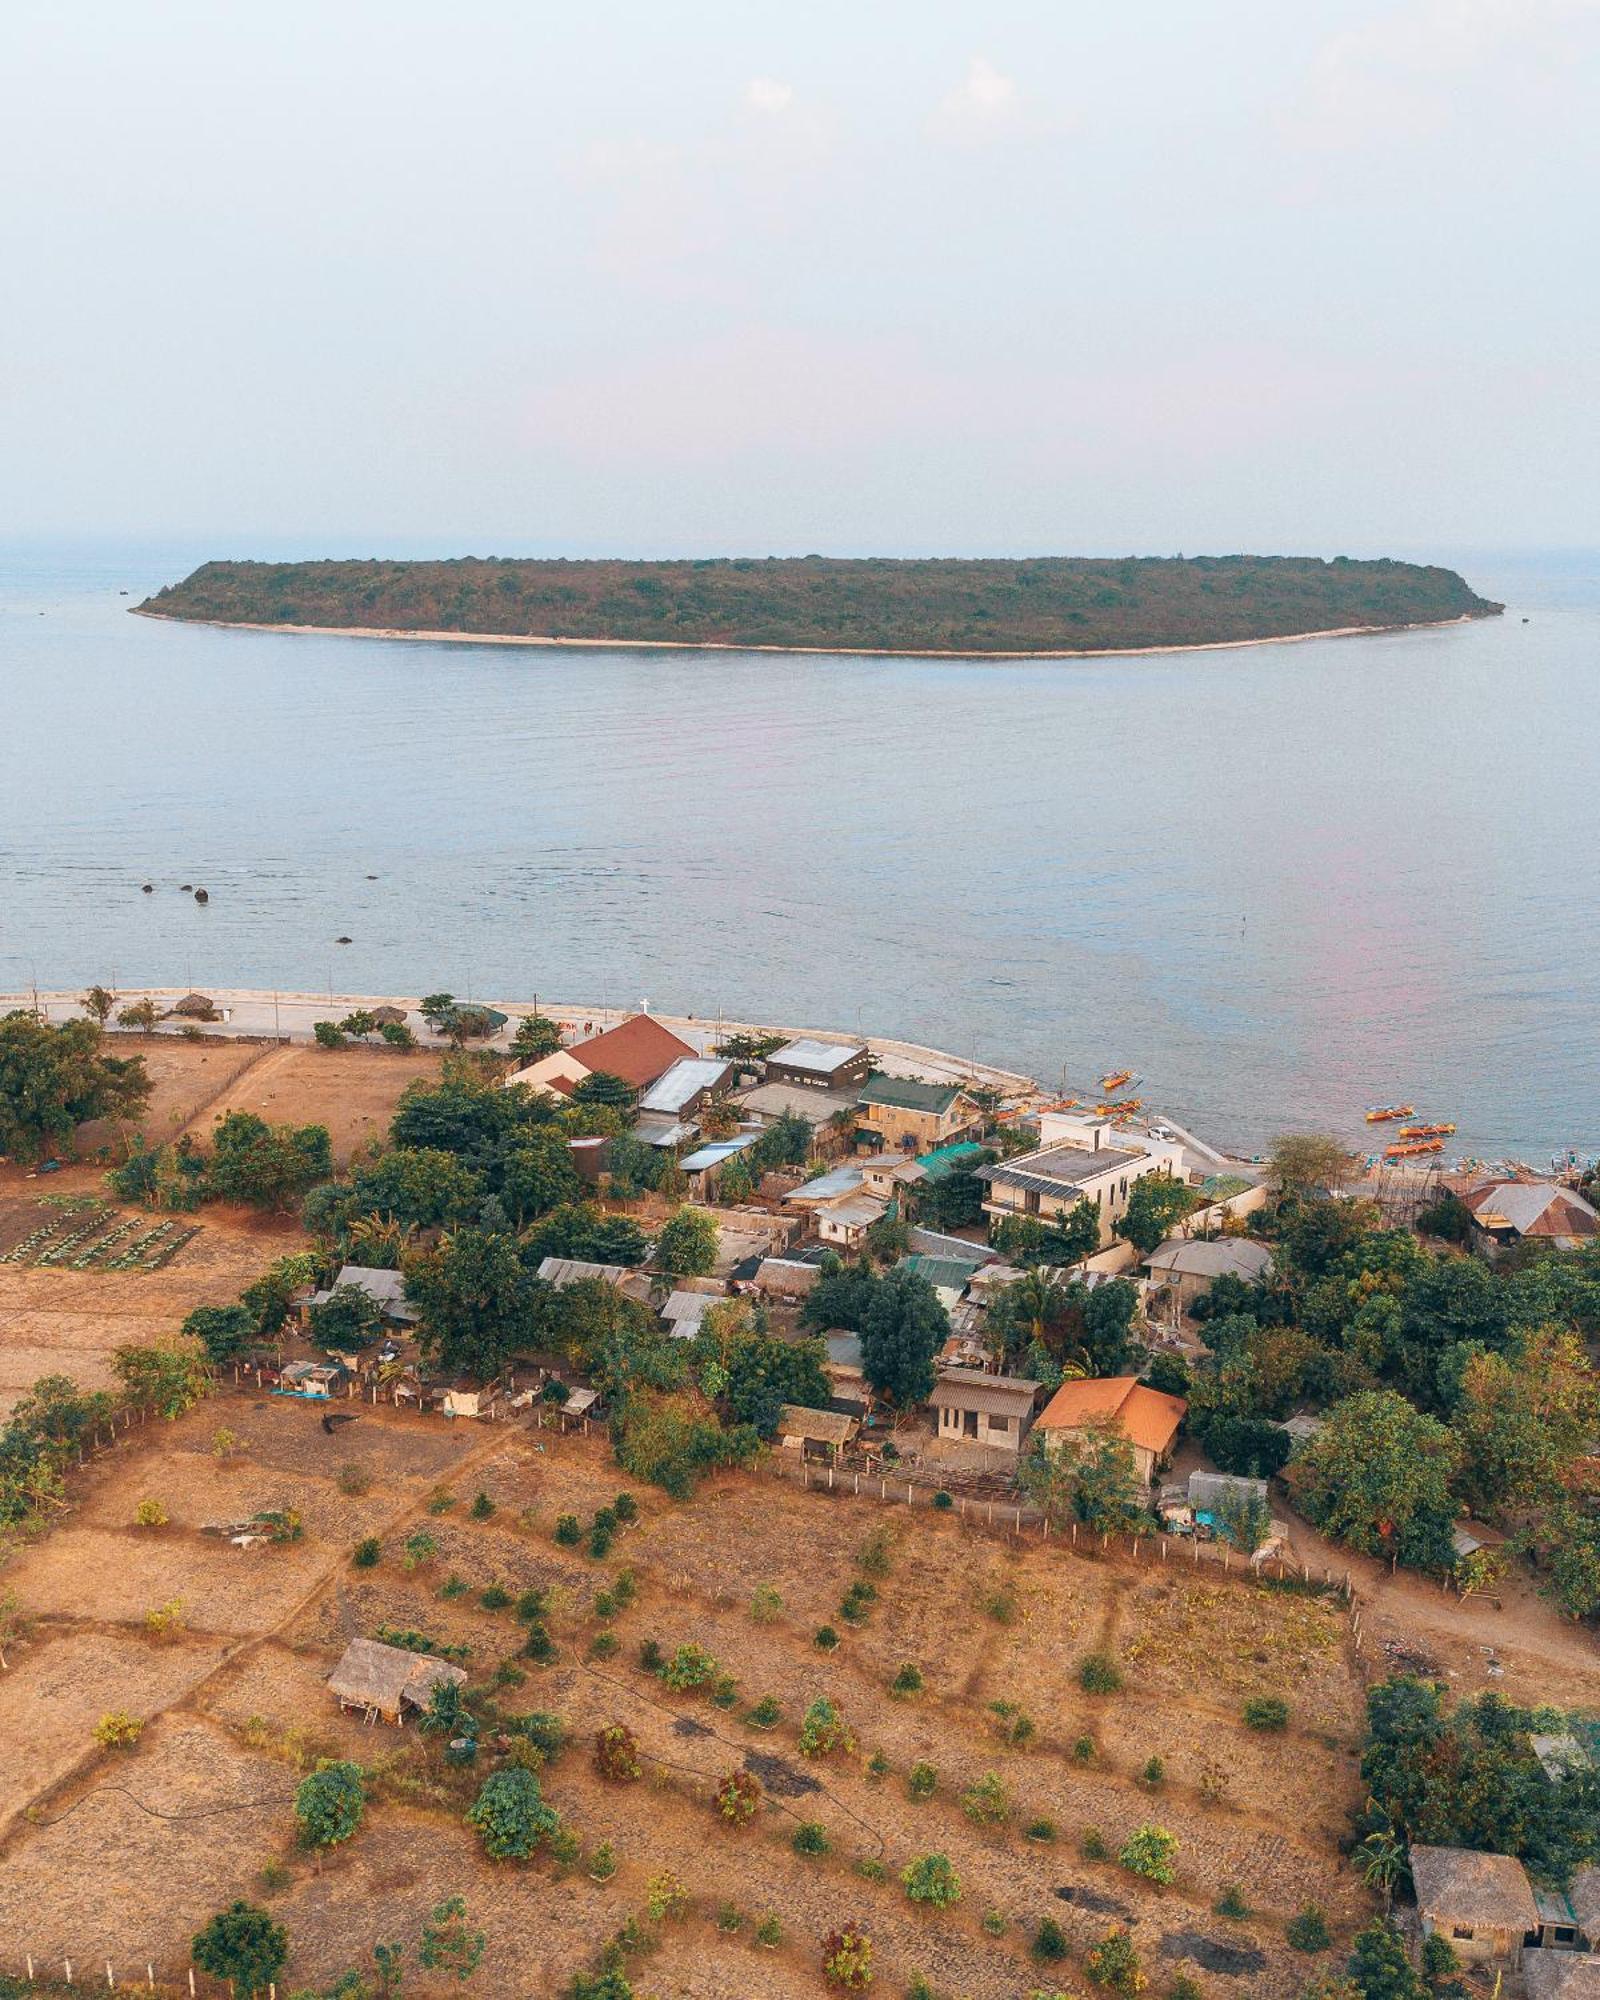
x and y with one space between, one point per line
786 1277
683 1312
846 1377
844 1222
820 1065
1189 1268
1509 1212
1045 1186
386 1289
815 1433
949 1276
384 1681
1481 1904
639 1051
983 1409
1149 1419
901 1111
691 1082
705 1165
886 1174
1560 1975
464 1397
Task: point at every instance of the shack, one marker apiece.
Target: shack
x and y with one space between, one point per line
984 1409
814 1433
1481 1904
384 1681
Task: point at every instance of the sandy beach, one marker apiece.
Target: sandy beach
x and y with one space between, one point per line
826 652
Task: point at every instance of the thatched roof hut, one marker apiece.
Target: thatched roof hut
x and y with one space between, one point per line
196 1007
386 1680
389 1017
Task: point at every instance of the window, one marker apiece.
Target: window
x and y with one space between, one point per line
1461 1930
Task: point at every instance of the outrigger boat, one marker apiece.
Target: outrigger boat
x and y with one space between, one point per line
1380 1114
1410 1148
1116 1109
1115 1079
1426 1131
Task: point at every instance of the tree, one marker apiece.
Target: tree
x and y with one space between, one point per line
1114 1964
143 1014
397 1035
346 1320
476 1299
601 1087
268 1298
1246 1445
1155 1203
1246 1520
360 1024
264 1165
1523 1417
1026 1240
670 1439
1380 1968
687 1245
421 1187
1088 1476
1108 1313
55 1078
537 1036
905 1326
931 1879
840 1297
734 1184
785 1143
244 1946
1150 1851
170 1378
328 1034
449 1943
329 1803
510 1816
98 1003
1378 1476
538 1175
463 1113
438 1010
1304 1163
762 1373
223 1331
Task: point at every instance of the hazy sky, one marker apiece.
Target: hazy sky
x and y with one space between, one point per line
723 275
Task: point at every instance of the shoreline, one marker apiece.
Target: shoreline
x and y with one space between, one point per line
425 637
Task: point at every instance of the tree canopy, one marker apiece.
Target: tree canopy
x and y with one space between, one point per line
54 1078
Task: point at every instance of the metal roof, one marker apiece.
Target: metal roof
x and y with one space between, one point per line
935 1244
1057 1167
687 1078
907 1093
805 1052
949 1274
954 1159
563 1271
1194 1258
993 1395
719 1151
827 1187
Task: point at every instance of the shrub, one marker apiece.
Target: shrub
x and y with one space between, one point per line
1083 1750
921 1781
826 1638
510 1815
1011 1723
1093 1845
624 1588
769 1932
1040 1829
603 1862
919 1987
1267 1711
1308 1932
150 1514
665 1897
441 1500
1231 1903
690 1667
165 1621
605 1517
942 1500
539 1646
117 1730
738 1797
847 1959
811 1838
454 1586
1049 1941
1185 1988
907 1682
1000 1604
725 1692
765 1604
548 1732
508 1675
568 1533
354 1480
931 1879
1114 1964
1154 1771
604 1645
420 1548
987 1803
274 1875
994 1923
823 1730
877 1766
244 1946
625 1507
532 1606
1149 1851
482 1507
495 1598
729 1919
367 1552
329 1803
857 1601
872 1558
1098 1673
765 1713
616 1753
599 1542
651 1657
1439 1960
871 1869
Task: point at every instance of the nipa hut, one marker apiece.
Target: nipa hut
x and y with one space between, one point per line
385 1681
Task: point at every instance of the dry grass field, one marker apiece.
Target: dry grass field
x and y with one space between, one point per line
351 1091
123 1854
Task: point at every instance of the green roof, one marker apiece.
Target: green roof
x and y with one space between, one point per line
951 1273
904 1093
1223 1187
950 1159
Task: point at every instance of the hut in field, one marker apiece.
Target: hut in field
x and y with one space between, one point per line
389 1017
196 1007
385 1681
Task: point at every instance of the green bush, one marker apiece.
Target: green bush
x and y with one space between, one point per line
651 1657
1093 1845
987 1803
481 1508
1231 1903
942 1500
625 1507
811 1838
1083 1750
1098 1673
690 1667
931 1879
826 1638
764 1713
908 1681
1149 1851
367 1553
568 1532
1266 1711
1040 1829
495 1598
1154 1771
1308 1932
1049 1942
921 1781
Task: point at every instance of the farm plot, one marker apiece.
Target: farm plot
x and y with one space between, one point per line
82 1233
749 1571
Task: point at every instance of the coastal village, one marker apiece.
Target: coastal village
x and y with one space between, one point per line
1086 1497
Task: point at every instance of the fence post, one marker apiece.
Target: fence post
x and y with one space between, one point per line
191 1983
67 1962
30 1966
1019 1520
110 1981
910 1499
150 1977
858 1485
1074 1534
885 1485
830 1475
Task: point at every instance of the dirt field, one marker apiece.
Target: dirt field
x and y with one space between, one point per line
351 1091
186 1076
122 1855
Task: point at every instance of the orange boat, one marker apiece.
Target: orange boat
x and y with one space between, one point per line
1410 1148
1115 1079
1426 1131
1379 1114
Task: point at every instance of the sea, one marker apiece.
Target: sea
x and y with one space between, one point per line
1279 883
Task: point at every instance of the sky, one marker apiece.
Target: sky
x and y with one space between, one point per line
724 276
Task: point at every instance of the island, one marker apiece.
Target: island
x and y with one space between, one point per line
1021 607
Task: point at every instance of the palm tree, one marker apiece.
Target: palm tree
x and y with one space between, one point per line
1044 1303
382 1240
1381 1860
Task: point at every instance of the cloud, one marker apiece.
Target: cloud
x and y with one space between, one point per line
767 95
985 100
1400 74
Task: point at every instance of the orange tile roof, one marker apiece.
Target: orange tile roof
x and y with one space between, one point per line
638 1050
1146 1417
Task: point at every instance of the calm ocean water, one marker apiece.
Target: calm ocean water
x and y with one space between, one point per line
1279 882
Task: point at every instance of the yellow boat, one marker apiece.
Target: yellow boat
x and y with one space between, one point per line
1379 1114
1115 1079
1410 1148
1426 1131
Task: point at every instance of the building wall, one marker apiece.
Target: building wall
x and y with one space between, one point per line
1483 1946
1006 1434
848 1076
896 1124
1109 1192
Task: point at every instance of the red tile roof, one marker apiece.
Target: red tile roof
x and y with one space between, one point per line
1146 1417
639 1050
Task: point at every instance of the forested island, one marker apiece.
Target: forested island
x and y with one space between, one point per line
1038 605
